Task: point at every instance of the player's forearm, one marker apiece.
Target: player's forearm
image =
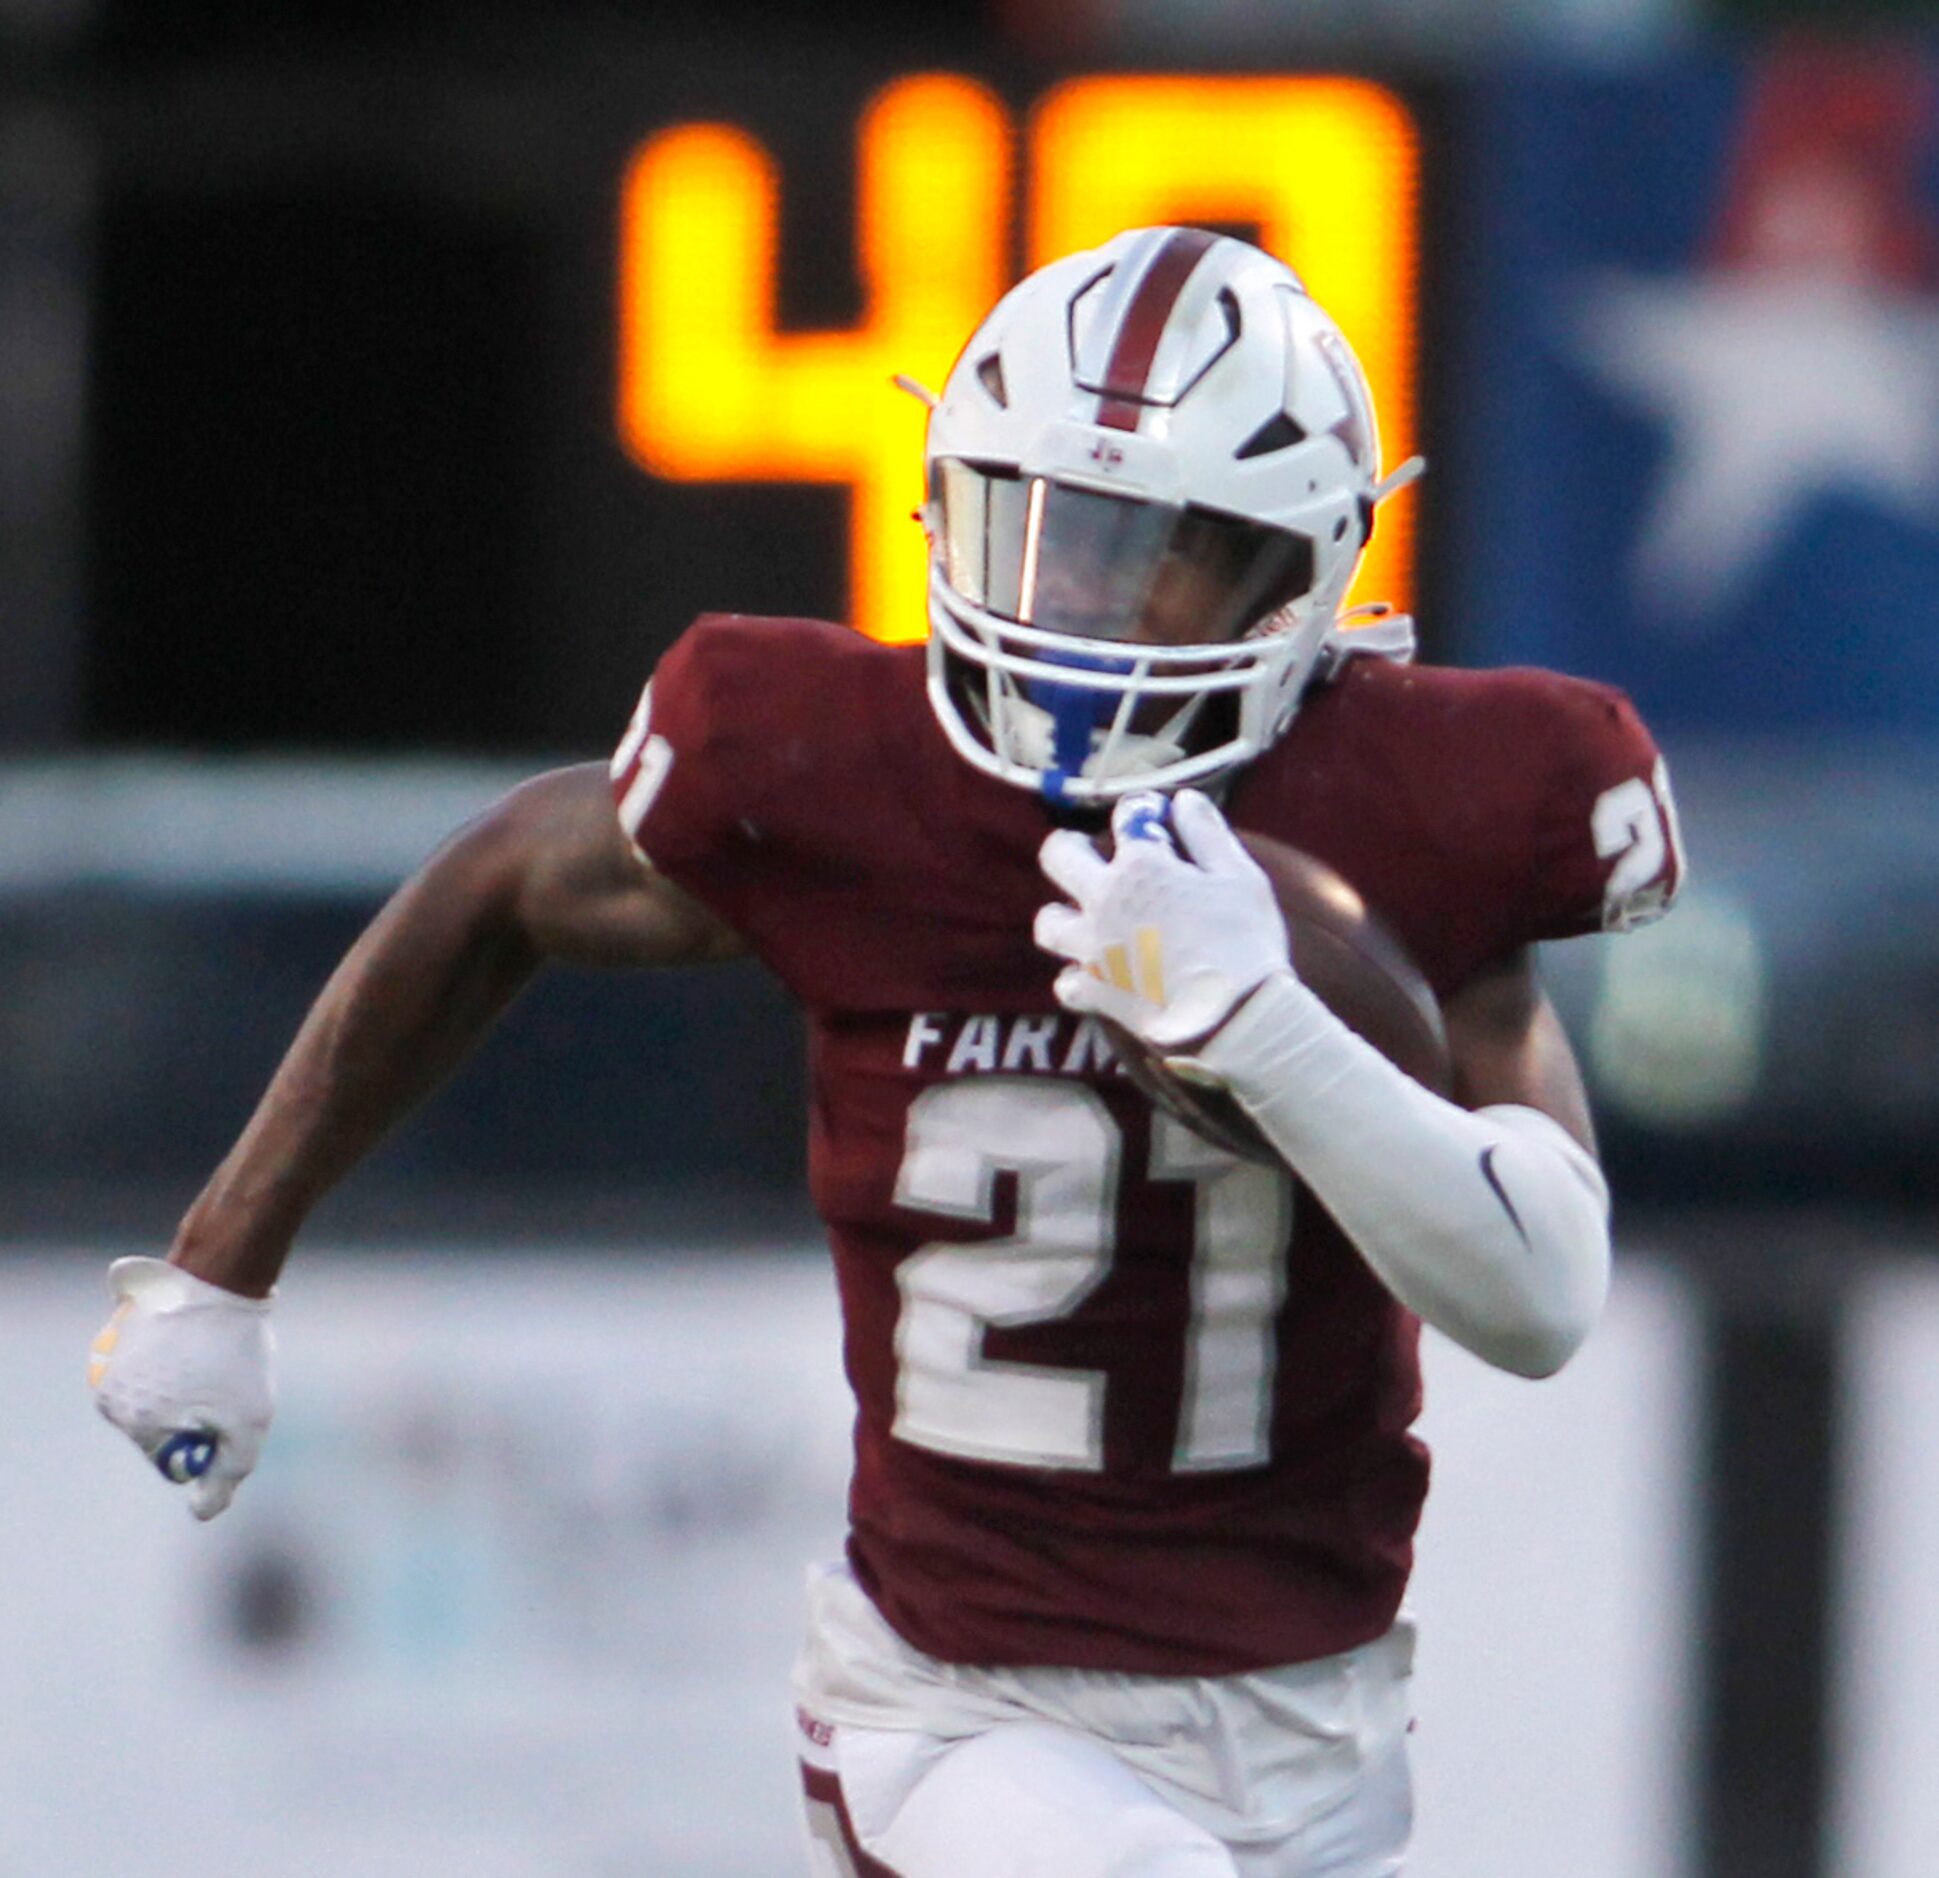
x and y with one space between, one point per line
410 999
1492 1225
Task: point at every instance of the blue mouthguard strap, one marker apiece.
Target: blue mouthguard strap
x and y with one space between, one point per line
1076 714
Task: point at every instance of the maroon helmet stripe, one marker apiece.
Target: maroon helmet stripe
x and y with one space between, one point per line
1144 325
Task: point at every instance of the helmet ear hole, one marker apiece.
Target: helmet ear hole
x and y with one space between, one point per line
989 372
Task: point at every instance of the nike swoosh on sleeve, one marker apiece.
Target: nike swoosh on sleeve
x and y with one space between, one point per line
1501 1193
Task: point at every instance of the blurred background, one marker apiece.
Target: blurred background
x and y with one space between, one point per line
383 387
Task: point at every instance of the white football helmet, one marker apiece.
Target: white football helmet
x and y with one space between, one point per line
1151 475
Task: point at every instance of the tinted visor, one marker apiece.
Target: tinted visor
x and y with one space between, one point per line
1109 567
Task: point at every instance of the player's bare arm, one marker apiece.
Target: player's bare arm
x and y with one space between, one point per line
545 874
1508 1045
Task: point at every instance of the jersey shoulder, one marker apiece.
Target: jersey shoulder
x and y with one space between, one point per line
1542 792
1605 839
790 774
743 713
1569 765
1530 697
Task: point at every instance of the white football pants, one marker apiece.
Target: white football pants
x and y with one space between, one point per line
913 1768
1028 1800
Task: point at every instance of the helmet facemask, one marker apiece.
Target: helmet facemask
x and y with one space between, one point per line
1083 635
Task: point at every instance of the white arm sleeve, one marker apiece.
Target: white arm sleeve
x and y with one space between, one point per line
1491 1225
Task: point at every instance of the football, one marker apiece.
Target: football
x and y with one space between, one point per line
1359 969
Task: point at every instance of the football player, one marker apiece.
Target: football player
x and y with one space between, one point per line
1134 1490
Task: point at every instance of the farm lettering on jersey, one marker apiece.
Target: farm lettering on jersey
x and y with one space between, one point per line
1054 1045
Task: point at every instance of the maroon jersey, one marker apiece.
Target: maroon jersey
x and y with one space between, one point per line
1125 1402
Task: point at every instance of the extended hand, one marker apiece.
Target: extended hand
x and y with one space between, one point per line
183 1369
1167 943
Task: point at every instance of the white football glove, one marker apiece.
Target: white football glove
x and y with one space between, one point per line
1168 943
183 1369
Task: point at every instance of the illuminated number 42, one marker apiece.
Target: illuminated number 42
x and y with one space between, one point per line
710 388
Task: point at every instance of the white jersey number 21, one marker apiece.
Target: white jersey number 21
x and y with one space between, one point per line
1067 1153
